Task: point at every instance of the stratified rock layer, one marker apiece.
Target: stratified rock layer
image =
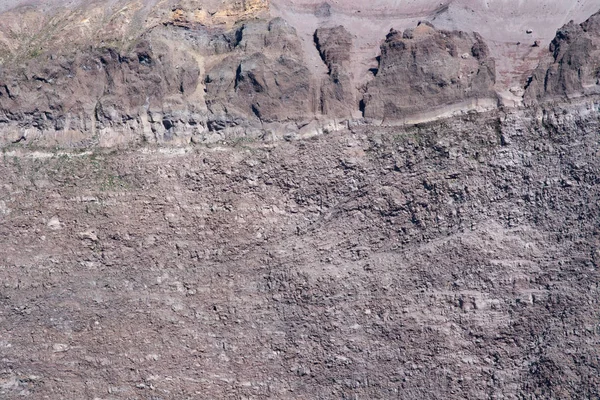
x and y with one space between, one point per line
425 68
454 259
218 71
572 68
81 94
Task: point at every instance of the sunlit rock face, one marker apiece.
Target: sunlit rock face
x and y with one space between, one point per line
423 68
176 70
298 199
572 66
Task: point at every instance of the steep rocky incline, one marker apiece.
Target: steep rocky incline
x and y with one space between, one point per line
452 260
164 236
337 93
263 76
198 76
82 94
176 81
572 69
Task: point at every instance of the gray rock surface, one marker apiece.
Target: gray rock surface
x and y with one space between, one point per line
450 260
84 93
571 67
424 68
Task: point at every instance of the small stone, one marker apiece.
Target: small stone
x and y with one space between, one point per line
60 347
3 209
90 234
54 224
197 139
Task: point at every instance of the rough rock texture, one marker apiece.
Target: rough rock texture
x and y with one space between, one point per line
208 258
184 80
264 75
214 71
572 68
454 260
83 94
39 27
179 81
222 70
504 25
424 68
335 48
175 83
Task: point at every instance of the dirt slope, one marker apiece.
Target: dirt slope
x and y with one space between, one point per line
457 260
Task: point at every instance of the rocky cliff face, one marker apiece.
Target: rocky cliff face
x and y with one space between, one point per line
423 69
224 82
216 71
262 76
337 94
451 260
571 69
424 243
199 74
83 94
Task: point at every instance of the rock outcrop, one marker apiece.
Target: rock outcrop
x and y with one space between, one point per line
224 69
335 48
572 67
215 82
453 259
82 94
424 69
263 77
185 78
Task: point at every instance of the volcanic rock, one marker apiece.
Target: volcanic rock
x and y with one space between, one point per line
571 67
264 75
96 89
335 47
424 69
265 241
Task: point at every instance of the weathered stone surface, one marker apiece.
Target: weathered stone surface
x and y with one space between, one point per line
177 81
264 76
424 69
97 89
454 259
337 94
451 260
571 69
